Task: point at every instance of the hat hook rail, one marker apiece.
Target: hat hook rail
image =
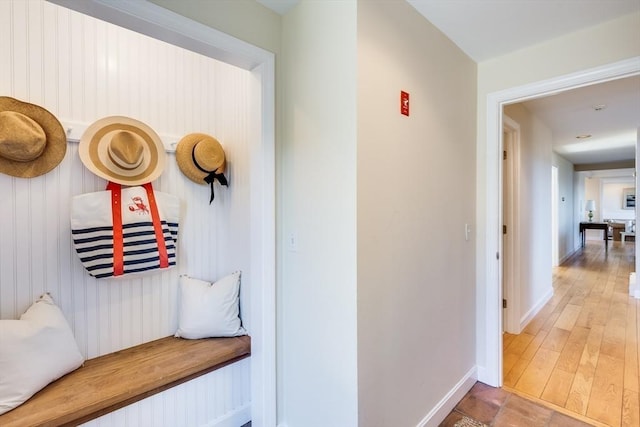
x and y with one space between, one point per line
74 131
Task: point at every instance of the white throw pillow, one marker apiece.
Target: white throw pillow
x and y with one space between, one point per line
210 309
34 351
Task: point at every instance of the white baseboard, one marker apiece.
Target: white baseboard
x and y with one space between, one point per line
569 255
634 289
446 405
535 309
238 417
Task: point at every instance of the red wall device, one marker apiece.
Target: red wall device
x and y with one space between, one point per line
404 102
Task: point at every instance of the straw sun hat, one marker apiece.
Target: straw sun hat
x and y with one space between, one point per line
32 140
201 158
122 150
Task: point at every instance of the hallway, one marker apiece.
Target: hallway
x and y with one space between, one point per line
579 355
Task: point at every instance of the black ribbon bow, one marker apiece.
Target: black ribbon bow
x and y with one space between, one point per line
211 176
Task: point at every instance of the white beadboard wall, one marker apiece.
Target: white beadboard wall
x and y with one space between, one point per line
82 69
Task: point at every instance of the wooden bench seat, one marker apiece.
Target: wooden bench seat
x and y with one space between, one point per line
115 380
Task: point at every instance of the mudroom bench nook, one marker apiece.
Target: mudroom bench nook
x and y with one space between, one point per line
110 382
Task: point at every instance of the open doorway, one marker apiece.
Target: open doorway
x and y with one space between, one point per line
490 306
554 196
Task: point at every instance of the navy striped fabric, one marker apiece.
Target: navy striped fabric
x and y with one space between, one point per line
95 247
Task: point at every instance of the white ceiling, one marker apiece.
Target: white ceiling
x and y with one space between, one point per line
279 6
609 112
486 29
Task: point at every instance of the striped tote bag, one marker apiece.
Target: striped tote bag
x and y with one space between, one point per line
125 230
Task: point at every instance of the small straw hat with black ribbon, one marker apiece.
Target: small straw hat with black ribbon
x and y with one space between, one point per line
32 140
201 158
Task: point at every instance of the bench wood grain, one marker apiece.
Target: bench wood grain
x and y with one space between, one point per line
115 380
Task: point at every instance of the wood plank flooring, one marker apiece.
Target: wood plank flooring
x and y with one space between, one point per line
581 352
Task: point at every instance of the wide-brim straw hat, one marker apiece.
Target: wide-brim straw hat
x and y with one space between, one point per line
122 150
32 140
201 158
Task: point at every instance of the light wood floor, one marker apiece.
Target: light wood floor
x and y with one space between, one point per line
581 351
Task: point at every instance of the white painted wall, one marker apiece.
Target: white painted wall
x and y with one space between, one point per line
243 19
415 194
535 210
592 192
316 175
82 69
612 198
578 205
566 223
600 45
318 364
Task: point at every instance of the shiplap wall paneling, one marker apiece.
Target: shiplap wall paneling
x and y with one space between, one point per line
217 400
82 69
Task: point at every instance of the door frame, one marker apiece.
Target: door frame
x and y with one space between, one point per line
160 23
555 217
490 304
511 217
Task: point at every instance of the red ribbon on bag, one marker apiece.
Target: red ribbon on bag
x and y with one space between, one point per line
118 241
116 214
157 226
